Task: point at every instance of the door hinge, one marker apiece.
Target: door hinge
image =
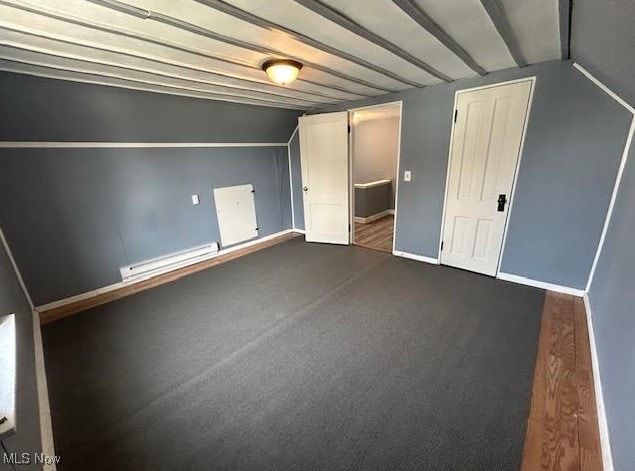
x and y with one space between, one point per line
441 245
456 112
349 128
349 228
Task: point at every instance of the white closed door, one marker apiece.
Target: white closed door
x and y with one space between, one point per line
324 158
488 130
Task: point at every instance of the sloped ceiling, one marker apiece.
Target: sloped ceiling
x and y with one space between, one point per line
214 49
603 42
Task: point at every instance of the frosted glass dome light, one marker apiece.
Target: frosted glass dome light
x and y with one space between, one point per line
282 71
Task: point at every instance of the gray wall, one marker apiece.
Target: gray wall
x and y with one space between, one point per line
375 148
612 300
74 216
373 200
12 300
573 146
296 173
603 41
40 109
573 149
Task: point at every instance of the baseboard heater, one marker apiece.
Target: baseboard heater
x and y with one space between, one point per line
169 262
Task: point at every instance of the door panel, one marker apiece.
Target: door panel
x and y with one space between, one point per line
324 157
485 150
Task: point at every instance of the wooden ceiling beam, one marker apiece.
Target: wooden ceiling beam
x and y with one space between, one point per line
198 30
246 83
496 13
169 45
237 13
39 70
422 19
338 18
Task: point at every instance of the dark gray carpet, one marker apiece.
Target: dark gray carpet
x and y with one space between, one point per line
301 356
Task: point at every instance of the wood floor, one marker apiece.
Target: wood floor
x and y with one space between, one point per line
376 235
562 429
73 308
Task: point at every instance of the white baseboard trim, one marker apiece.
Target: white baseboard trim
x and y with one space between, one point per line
540 284
607 456
419 258
299 231
94 292
46 426
122 284
251 243
374 217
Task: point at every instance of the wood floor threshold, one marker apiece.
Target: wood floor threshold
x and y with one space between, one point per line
375 235
370 247
84 304
562 428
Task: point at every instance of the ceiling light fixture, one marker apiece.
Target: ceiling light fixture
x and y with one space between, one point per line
282 71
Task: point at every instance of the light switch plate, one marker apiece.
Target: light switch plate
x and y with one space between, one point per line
195 200
407 175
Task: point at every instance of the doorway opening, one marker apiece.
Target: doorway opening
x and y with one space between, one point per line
374 158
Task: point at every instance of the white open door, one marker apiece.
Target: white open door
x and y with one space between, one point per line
485 150
324 158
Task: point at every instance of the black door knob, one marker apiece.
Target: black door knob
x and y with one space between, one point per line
305 189
502 199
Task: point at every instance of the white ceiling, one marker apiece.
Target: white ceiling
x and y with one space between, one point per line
213 49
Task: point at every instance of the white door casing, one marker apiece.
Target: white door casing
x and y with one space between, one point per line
324 159
486 147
